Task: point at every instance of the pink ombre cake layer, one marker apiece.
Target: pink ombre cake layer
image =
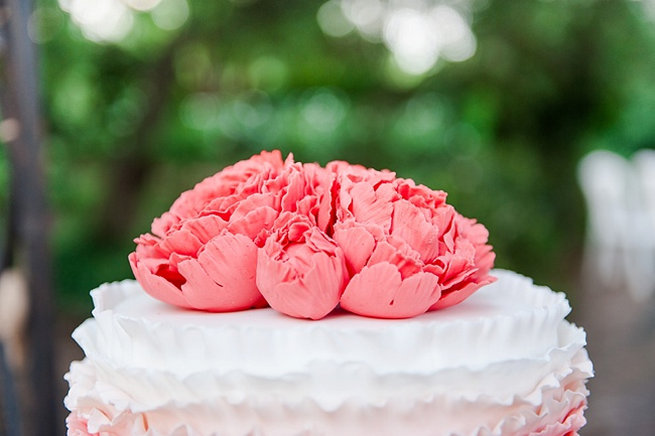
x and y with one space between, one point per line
502 362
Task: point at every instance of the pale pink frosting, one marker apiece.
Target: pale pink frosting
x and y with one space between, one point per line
99 419
405 249
104 419
77 425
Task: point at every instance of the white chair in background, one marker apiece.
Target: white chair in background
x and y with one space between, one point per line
620 244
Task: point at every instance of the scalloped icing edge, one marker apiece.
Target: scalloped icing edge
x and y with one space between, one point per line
517 418
334 383
562 383
148 344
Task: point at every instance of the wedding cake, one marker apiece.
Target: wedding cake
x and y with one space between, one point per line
279 298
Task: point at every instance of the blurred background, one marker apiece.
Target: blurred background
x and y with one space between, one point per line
498 102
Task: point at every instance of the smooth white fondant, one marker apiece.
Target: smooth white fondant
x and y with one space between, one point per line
490 365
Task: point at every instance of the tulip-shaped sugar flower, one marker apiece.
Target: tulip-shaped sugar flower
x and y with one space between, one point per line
300 270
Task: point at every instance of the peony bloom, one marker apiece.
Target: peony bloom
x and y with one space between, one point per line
304 239
300 270
202 254
407 250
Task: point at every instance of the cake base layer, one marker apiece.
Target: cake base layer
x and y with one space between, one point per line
503 362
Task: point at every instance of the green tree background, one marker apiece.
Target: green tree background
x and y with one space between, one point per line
131 124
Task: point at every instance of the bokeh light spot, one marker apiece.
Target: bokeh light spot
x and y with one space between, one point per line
268 73
252 112
410 36
142 5
367 15
100 20
170 14
417 32
200 110
332 20
324 111
193 66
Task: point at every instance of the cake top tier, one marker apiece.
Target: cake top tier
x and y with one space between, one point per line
305 239
500 362
511 319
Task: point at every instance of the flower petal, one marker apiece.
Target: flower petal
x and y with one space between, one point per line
373 206
401 255
312 295
182 241
223 276
251 203
378 291
253 223
327 280
301 272
157 286
357 244
457 296
162 225
204 228
411 225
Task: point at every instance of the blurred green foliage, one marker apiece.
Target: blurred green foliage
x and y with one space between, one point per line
131 124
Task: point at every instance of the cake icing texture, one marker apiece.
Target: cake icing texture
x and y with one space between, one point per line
277 298
503 362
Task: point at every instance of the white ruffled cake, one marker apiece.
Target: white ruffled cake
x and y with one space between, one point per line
277 298
503 362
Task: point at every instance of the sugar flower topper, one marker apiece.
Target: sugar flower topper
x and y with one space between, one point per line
305 239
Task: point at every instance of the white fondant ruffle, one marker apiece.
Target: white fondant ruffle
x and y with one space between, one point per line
504 362
332 383
110 409
133 330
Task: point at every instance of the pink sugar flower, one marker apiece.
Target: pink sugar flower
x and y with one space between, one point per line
407 250
221 192
390 281
300 270
310 192
202 254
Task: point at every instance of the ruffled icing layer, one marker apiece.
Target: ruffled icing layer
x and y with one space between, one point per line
133 330
503 362
103 407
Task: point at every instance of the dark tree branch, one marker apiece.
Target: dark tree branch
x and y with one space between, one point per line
20 102
9 415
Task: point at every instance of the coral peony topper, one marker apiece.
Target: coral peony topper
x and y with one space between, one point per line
305 239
